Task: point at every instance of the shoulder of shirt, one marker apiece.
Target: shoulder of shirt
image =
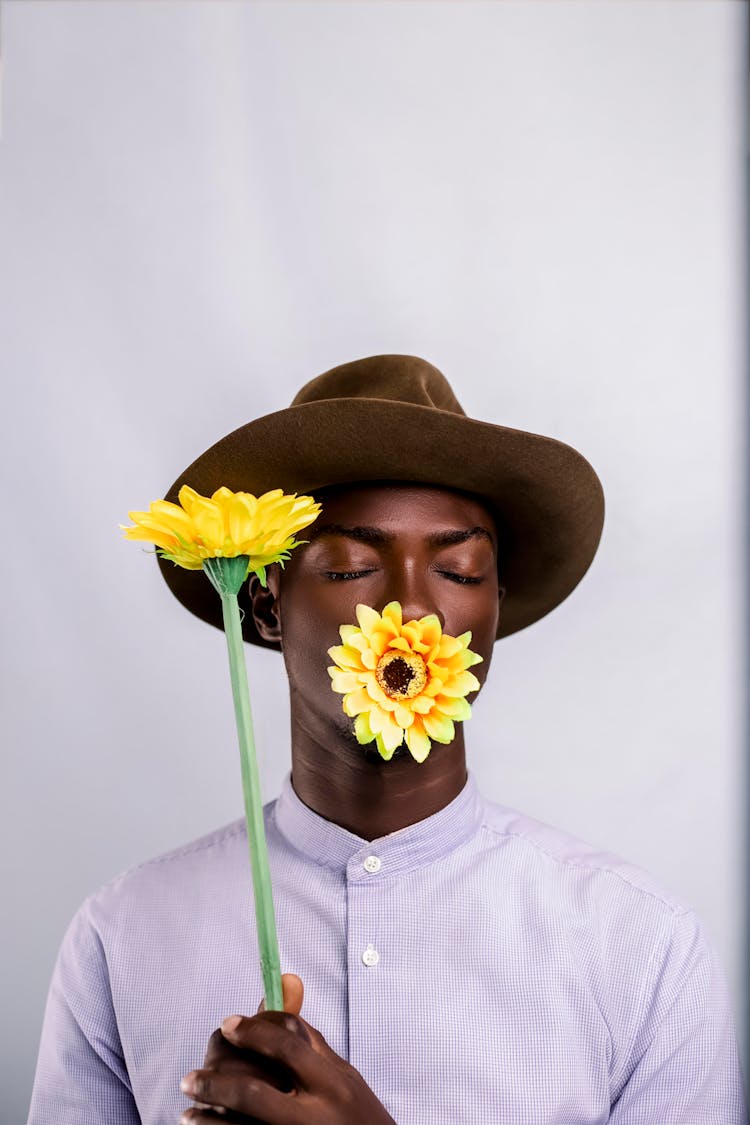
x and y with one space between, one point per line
188 859
573 855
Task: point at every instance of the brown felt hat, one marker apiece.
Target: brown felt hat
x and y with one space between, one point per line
395 418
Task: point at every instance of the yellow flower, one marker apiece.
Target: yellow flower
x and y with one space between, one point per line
224 525
402 681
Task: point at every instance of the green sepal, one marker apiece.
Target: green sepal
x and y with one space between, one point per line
227 575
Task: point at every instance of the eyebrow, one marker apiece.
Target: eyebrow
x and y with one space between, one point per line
376 536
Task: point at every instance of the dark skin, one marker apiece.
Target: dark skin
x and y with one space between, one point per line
435 551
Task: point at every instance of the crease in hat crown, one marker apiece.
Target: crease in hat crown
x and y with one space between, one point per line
395 419
392 378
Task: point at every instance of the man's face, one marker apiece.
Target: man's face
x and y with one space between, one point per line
431 549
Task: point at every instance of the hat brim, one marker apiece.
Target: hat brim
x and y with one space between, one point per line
547 498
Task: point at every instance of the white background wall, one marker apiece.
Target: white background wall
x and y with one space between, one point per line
205 204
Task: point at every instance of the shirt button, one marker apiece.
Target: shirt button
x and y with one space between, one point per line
372 864
370 956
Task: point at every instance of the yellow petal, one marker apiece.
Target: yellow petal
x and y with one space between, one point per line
379 641
392 735
269 500
158 523
448 647
172 515
404 716
439 727
383 749
189 498
368 619
377 719
345 657
356 702
209 524
223 497
392 612
417 741
354 638
349 632
440 671
158 538
240 514
413 634
458 709
362 729
400 643
187 562
461 684
343 682
377 695
431 629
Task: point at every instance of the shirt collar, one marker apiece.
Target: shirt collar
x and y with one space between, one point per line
332 846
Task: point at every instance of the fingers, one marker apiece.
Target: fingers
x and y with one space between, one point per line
201 1115
205 1115
280 1036
218 1051
239 1095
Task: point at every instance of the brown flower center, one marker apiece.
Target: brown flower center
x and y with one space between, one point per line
401 675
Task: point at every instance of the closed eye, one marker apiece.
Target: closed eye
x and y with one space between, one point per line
464 579
346 575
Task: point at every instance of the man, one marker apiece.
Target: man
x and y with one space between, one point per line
459 962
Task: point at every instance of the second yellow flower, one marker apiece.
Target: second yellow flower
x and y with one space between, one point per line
402 681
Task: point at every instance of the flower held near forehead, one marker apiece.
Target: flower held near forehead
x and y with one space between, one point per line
402 681
226 525
231 535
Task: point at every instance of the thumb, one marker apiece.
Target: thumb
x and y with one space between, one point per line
292 990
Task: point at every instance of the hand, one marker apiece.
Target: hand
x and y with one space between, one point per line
275 1069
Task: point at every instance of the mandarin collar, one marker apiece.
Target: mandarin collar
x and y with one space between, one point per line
417 845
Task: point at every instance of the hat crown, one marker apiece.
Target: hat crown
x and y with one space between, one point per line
394 378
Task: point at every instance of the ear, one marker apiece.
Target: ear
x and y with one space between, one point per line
501 595
265 605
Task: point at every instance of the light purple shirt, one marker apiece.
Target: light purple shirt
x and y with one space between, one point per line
477 967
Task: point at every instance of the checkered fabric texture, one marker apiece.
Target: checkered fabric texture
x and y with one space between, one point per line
477 967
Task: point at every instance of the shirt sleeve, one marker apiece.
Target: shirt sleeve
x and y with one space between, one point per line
685 1066
81 1076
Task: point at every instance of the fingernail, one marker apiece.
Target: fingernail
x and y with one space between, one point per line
187 1084
231 1023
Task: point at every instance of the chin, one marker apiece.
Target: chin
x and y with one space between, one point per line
371 752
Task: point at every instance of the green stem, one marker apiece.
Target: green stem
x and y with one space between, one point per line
268 945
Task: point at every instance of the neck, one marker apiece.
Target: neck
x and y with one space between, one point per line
365 794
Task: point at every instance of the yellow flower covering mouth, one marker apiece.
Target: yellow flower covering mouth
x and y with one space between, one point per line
402 681
225 525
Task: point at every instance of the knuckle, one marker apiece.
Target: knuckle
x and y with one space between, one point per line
291 1023
288 1022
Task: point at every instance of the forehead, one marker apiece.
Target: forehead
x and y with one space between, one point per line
389 503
